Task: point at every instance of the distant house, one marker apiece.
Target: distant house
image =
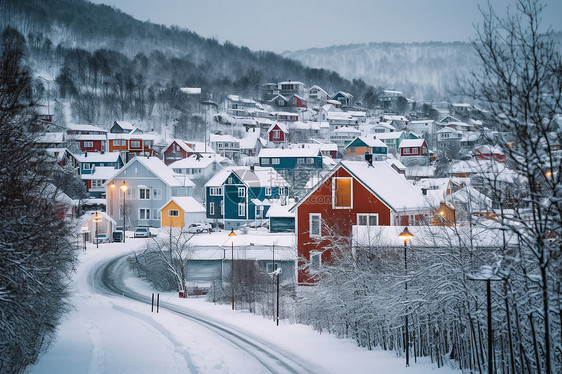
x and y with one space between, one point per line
225 145
88 161
279 100
414 152
290 88
243 194
277 133
325 110
448 135
340 119
488 152
239 106
181 212
353 193
382 127
251 144
392 139
197 165
298 101
367 145
343 136
317 93
281 219
291 159
346 99
286 116
176 150
131 144
419 127
90 138
398 122
124 127
149 183
95 179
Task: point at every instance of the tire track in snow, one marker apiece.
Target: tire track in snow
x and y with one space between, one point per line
106 280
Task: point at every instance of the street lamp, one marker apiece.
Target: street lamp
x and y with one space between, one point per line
406 235
97 219
233 235
487 274
124 189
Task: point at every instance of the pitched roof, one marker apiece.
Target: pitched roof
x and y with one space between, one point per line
186 203
194 162
160 171
181 143
369 141
411 143
98 157
100 173
259 177
389 135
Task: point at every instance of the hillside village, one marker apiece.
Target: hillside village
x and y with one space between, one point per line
299 163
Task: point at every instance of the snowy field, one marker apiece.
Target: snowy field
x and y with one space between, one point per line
113 334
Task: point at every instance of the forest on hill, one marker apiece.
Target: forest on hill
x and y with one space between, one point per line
112 66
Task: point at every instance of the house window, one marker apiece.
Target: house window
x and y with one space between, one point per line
276 134
173 213
281 191
406 151
342 193
241 192
271 267
315 222
86 166
229 180
119 142
268 191
144 213
300 160
265 161
368 219
241 209
212 209
315 260
88 144
215 191
157 193
310 160
144 193
275 161
135 143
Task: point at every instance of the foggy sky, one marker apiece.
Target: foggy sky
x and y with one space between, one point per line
278 26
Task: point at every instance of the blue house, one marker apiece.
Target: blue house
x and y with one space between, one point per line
243 195
91 160
291 158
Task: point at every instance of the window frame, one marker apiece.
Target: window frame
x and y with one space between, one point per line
241 191
268 191
312 255
241 209
146 192
212 208
311 217
275 161
88 144
170 211
334 206
146 212
136 144
368 217
265 161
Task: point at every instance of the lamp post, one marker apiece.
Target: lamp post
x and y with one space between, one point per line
406 235
97 220
233 235
124 189
487 274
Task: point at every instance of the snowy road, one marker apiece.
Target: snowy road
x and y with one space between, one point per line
113 330
108 278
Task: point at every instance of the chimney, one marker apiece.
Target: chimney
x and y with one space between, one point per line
252 167
86 154
424 191
369 158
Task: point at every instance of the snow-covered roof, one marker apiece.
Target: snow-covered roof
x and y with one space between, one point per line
290 152
195 162
249 140
331 108
50 137
292 82
385 125
191 90
476 200
125 125
199 147
449 130
86 136
411 143
187 204
301 125
80 127
181 143
370 141
159 169
395 118
98 157
385 182
258 177
315 87
131 136
281 126
214 138
278 210
339 116
100 173
389 135
346 129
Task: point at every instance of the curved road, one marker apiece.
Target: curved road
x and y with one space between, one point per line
108 279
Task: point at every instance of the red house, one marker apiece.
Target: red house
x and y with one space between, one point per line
176 150
488 152
353 193
91 138
277 133
298 101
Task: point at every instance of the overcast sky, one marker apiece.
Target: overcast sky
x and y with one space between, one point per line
280 25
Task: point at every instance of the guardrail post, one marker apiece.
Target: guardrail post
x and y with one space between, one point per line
157 303
152 308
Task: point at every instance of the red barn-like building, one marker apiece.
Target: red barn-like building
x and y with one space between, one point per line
353 193
277 133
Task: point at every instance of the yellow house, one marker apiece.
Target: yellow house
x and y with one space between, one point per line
181 212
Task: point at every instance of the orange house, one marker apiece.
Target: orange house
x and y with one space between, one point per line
182 212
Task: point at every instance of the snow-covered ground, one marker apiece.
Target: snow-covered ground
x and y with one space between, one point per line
113 334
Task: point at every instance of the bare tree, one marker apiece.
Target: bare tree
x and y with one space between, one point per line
520 81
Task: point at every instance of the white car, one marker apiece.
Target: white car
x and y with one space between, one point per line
199 227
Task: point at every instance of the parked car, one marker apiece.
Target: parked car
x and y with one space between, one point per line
101 238
142 232
117 236
199 227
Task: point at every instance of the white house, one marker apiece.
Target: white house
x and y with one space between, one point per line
199 165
